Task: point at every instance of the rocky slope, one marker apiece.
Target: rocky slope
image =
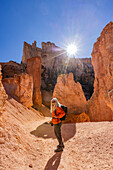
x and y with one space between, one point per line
30 143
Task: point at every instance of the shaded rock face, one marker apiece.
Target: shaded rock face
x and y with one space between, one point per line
20 88
34 69
3 95
70 94
82 70
46 97
10 68
101 103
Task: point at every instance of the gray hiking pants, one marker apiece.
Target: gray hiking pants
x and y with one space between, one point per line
57 130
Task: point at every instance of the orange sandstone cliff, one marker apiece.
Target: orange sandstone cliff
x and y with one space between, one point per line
101 102
34 69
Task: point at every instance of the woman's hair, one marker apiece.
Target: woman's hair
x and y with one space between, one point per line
54 100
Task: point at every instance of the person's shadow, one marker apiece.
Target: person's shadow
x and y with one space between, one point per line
47 131
53 162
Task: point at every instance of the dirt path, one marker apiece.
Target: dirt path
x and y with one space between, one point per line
29 143
87 146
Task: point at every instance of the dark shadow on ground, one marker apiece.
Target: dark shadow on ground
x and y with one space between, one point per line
47 131
53 162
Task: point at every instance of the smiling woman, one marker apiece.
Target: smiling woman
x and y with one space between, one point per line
72 49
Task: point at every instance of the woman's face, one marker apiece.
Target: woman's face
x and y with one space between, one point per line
54 105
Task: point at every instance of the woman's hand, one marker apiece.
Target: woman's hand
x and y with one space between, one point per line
55 117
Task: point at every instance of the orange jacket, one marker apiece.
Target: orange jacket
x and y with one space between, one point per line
59 114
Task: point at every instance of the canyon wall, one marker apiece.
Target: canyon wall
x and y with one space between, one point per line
34 69
3 95
20 88
101 102
9 69
30 51
55 62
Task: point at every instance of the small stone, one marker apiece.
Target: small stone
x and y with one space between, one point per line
30 165
112 144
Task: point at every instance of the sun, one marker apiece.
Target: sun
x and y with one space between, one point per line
72 49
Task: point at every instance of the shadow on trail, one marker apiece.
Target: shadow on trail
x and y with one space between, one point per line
47 131
53 162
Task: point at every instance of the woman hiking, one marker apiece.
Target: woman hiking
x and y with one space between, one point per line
57 113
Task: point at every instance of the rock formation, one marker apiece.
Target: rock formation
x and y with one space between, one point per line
34 69
20 88
3 95
101 102
9 69
30 51
3 98
46 97
55 62
51 55
72 118
82 70
70 94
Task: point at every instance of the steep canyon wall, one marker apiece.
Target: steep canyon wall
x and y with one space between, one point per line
101 102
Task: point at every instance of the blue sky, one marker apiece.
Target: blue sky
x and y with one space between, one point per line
58 21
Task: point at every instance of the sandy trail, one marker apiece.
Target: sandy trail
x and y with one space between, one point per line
87 146
30 143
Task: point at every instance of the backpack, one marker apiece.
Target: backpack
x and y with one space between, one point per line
65 110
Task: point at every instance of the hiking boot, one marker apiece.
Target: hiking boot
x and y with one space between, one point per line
60 146
58 149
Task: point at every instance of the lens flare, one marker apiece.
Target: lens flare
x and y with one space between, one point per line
72 49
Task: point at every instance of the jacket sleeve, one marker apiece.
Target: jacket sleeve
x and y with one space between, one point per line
53 113
60 112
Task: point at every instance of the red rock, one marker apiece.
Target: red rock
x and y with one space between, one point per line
30 165
46 97
77 118
30 51
20 88
101 102
34 69
10 68
3 95
70 94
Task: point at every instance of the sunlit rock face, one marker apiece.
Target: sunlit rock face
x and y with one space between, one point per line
30 51
3 95
34 69
101 103
20 88
70 94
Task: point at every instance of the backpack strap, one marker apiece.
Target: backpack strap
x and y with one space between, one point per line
55 113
